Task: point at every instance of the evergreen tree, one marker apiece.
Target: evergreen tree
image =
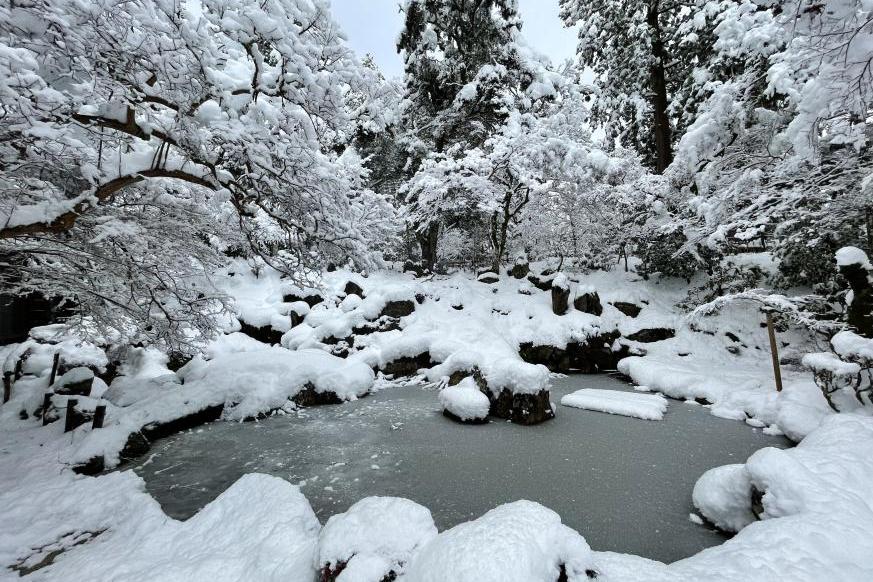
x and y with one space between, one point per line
465 71
646 54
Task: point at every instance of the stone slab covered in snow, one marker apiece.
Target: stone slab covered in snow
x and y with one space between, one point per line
645 406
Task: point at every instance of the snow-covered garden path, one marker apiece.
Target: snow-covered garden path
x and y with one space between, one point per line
625 485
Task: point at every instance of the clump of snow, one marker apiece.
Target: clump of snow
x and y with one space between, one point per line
830 362
376 535
465 400
258 381
517 542
644 406
74 376
723 495
852 256
561 281
850 345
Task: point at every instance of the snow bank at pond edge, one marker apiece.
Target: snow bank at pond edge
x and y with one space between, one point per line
818 525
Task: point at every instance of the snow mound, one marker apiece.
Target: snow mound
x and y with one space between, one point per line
260 528
377 535
852 256
517 542
644 406
465 400
850 345
264 380
722 495
817 518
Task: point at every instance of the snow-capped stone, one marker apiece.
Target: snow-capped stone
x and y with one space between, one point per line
465 401
517 542
376 536
644 406
852 256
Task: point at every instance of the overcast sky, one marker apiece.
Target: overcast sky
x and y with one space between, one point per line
372 27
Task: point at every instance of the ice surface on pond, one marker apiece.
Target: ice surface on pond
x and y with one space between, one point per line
625 485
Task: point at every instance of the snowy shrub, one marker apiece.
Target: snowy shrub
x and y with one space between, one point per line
848 367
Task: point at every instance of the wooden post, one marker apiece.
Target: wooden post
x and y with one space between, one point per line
774 353
46 404
55 363
7 386
99 415
70 420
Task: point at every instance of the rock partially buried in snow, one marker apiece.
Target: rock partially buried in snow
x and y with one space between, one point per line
488 277
373 540
588 301
517 542
76 382
724 497
464 402
629 309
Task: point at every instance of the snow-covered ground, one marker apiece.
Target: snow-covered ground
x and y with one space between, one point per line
816 517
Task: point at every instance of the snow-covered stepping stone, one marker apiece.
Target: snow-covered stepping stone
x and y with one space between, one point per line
645 406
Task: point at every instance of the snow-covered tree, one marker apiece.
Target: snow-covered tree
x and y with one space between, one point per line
136 132
466 69
778 154
645 55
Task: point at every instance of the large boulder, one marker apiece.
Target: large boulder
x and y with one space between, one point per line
588 301
521 408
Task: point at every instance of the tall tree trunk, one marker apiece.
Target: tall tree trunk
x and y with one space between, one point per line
427 240
662 131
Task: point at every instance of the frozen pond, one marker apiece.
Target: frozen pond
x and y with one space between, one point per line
623 483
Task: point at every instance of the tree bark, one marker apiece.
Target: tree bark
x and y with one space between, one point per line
427 240
658 80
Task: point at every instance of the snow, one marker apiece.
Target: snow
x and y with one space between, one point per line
376 535
517 542
848 344
644 406
852 256
74 376
465 400
829 362
723 496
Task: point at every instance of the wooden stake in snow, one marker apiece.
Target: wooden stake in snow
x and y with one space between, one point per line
46 403
55 363
70 420
774 352
99 415
7 386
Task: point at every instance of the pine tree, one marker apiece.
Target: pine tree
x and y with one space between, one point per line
465 70
645 53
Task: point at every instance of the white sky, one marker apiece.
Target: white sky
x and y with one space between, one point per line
372 27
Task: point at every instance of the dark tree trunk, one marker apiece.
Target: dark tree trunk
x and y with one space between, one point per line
427 240
662 130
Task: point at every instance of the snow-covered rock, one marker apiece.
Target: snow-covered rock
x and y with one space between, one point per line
465 401
517 542
373 538
645 406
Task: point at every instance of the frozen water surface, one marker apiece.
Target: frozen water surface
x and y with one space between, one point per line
623 483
